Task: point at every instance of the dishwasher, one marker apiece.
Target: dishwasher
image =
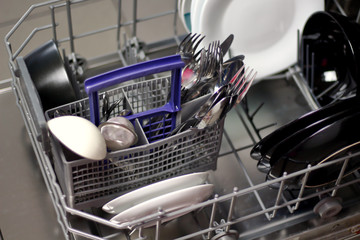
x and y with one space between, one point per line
244 205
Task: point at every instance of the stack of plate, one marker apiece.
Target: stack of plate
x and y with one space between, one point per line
265 31
169 195
315 138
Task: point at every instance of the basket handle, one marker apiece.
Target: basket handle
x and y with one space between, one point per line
170 63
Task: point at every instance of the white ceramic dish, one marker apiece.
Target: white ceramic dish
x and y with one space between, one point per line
168 202
264 31
195 10
143 194
186 14
79 135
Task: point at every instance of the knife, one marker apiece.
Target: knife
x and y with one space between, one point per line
226 44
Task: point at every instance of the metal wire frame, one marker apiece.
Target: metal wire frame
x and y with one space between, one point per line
63 210
54 4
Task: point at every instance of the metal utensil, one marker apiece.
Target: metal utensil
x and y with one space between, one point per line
236 92
206 75
106 109
239 93
225 45
187 47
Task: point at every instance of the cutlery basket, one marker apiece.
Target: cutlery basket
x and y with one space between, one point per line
89 183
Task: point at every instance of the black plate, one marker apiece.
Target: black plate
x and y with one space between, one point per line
296 138
329 174
317 147
330 56
268 143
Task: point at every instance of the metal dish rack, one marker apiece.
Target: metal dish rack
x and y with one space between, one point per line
226 215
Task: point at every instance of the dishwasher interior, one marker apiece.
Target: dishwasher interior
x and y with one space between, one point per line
244 204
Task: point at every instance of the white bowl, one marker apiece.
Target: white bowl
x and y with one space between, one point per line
79 135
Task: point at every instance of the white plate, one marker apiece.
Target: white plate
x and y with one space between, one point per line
168 203
186 14
264 31
195 9
154 190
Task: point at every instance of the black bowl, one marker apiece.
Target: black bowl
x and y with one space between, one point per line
50 77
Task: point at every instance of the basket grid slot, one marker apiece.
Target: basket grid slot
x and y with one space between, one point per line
113 96
156 127
188 154
148 95
141 181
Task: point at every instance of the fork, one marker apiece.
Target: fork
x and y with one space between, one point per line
206 75
187 48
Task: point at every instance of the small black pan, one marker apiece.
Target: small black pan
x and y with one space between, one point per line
50 77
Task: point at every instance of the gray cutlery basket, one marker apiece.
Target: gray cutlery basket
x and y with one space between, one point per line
89 183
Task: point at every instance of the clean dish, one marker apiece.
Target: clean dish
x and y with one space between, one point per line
79 135
280 148
168 203
122 120
335 136
326 175
261 148
299 129
294 139
265 31
179 2
333 40
195 10
143 194
186 14
119 133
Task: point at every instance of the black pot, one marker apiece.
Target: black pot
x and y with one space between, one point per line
51 80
